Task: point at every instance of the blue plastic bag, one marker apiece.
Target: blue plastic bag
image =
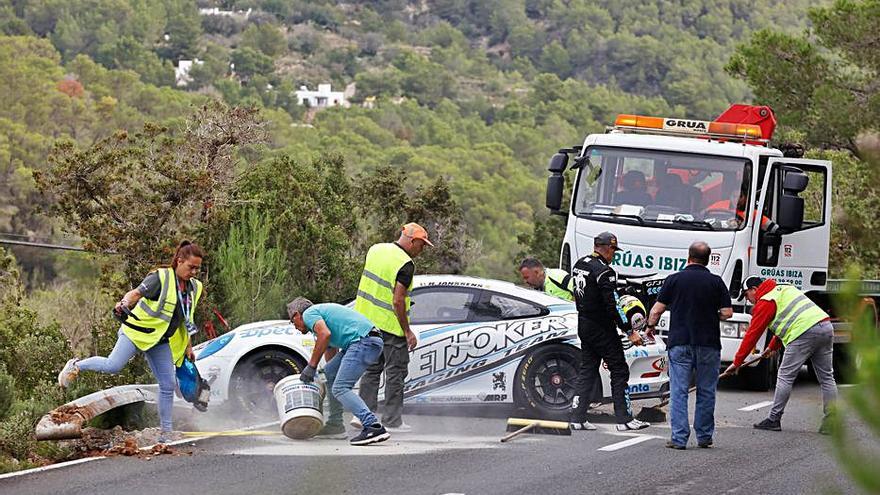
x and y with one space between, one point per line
191 385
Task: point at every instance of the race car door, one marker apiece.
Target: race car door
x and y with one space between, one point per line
441 317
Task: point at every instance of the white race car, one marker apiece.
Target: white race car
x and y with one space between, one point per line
480 341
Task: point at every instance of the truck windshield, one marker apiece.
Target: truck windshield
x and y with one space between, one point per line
663 189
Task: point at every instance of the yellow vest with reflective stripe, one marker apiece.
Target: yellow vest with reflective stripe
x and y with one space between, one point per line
555 283
153 317
795 313
375 295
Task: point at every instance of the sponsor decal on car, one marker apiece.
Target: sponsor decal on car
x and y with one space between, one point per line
638 388
266 331
453 356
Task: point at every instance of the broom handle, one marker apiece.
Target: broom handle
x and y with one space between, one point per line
519 431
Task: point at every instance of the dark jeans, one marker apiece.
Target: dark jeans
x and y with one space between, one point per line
343 371
395 362
600 343
704 362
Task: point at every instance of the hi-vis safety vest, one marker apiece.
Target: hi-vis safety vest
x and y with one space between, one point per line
151 318
558 283
795 312
375 295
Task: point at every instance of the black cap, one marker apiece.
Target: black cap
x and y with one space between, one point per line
606 239
752 282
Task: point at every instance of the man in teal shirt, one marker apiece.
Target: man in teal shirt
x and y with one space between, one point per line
350 344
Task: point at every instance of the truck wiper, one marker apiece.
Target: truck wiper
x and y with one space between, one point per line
696 223
619 215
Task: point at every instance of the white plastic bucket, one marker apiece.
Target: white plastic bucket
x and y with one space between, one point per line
300 407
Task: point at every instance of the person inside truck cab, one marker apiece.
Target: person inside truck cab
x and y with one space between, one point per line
675 193
739 210
635 190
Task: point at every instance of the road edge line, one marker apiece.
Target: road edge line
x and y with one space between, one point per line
49 467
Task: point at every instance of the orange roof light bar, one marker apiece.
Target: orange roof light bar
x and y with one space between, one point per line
750 131
639 121
692 127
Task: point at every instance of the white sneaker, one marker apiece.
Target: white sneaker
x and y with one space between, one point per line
356 423
633 425
402 428
586 425
68 373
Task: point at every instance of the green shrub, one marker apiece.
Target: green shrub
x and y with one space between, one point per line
7 392
9 464
17 435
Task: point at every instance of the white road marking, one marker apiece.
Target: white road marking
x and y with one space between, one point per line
627 443
845 385
413 444
88 459
51 466
755 407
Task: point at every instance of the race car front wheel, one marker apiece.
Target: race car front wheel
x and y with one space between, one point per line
253 380
545 381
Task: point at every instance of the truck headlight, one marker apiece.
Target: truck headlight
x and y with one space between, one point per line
730 330
733 330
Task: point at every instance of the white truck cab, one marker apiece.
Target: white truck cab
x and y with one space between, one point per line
660 183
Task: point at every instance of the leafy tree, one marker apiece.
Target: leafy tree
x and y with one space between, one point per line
251 273
222 25
249 63
265 38
215 65
388 205
138 194
544 242
823 86
128 53
309 209
183 28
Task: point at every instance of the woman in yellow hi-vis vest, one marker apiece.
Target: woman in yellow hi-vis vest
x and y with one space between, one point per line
159 325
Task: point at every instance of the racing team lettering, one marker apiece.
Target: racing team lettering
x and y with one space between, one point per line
649 261
447 357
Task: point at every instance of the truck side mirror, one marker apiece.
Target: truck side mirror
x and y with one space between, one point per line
556 181
558 163
555 186
791 206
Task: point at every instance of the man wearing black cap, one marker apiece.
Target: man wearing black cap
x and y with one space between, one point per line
598 317
806 332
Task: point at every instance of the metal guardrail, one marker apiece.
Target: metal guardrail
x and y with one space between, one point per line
866 287
65 422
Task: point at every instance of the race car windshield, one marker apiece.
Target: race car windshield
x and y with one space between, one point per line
663 189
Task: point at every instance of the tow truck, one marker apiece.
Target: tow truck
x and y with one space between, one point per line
661 183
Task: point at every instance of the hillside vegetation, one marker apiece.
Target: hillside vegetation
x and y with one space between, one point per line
476 93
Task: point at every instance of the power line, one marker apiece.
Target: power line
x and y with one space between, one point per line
43 245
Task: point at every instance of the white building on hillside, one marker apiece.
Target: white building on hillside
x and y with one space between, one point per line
181 72
323 97
241 14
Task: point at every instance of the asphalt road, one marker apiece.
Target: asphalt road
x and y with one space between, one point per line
448 453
